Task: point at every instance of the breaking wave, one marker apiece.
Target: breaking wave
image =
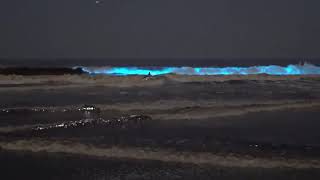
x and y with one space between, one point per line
300 69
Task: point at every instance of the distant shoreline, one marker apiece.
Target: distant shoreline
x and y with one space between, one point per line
40 71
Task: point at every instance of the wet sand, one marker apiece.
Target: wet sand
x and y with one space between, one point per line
238 127
63 166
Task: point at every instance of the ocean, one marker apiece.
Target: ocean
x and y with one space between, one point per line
70 62
57 122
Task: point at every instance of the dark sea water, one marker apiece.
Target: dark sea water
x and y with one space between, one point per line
153 62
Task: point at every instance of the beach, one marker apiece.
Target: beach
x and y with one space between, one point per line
256 126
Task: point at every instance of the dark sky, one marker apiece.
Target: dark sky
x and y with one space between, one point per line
159 29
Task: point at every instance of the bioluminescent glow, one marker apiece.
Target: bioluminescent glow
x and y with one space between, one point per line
305 69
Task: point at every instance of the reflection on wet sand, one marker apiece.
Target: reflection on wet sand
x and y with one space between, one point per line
263 122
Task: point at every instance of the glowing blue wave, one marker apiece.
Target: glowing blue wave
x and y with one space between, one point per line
305 69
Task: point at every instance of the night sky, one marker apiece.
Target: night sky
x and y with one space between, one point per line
212 29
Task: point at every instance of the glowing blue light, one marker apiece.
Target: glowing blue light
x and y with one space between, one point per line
306 69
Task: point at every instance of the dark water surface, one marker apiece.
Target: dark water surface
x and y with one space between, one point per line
153 62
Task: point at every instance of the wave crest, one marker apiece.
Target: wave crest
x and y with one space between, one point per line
300 69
